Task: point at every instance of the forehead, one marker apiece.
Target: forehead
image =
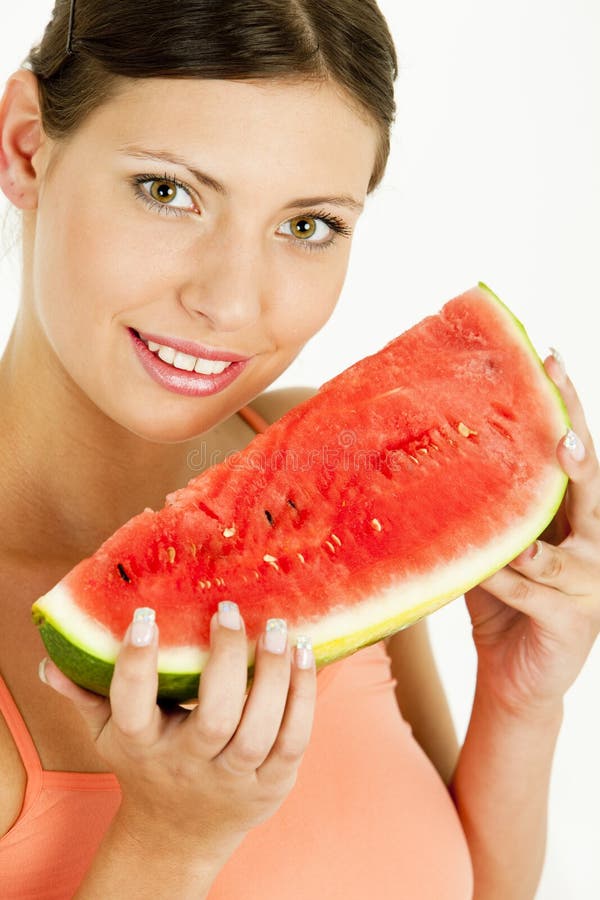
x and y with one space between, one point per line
308 127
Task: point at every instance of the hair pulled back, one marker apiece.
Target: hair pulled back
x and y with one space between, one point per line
347 41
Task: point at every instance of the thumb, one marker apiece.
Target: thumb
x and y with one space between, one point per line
93 708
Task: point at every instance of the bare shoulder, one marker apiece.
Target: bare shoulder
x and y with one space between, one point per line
272 405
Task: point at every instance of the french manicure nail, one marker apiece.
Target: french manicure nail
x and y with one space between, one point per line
228 614
558 359
304 652
574 445
42 670
275 635
142 627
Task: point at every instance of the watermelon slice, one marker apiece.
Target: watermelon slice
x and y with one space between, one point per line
405 481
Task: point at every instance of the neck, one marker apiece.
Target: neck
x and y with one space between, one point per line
70 475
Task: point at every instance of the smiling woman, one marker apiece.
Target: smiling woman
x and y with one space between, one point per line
189 179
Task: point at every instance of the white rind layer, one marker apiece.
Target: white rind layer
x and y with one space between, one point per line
341 631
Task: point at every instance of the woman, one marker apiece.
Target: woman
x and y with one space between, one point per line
193 174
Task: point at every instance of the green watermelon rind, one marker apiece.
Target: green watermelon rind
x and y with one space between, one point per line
90 671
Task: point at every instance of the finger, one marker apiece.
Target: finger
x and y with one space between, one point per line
557 568
577 457
222 692
582 504
555 369
296 727
265 705
546 605
134 684
93 708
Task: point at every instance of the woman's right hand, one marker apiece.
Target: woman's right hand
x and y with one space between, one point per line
203 777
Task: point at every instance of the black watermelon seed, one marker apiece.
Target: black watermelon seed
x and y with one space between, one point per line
270 518
123 573
292 504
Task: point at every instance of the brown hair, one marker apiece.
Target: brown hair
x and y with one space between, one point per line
345 40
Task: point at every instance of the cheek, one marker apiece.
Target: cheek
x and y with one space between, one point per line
89 266
304 294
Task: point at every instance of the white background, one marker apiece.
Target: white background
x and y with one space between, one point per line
494 176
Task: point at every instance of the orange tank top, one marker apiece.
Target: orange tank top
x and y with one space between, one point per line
368 815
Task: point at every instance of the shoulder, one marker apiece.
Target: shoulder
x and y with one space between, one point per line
272 405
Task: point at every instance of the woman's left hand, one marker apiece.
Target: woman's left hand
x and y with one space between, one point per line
535 620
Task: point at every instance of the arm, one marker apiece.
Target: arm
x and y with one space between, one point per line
534 623
135 866
500 788
500 782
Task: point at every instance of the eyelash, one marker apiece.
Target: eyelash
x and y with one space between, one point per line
338 226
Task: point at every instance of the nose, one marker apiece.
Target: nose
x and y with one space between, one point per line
227 286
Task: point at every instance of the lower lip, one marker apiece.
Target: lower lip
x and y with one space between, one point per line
192 384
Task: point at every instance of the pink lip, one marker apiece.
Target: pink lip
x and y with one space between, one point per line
193 349
191 384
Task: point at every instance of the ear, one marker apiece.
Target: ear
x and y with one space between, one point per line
21 136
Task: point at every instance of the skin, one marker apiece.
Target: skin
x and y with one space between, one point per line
229 278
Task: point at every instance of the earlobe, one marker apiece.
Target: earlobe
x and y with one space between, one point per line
21 137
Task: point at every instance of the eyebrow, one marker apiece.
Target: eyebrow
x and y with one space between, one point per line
219 188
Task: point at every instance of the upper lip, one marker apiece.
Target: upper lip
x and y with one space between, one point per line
192 348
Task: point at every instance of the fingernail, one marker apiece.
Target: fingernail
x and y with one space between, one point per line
574 445
535 550
42 671
228 615
558 359
275 635
304 653
142 627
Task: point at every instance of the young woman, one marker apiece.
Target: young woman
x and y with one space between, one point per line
189 175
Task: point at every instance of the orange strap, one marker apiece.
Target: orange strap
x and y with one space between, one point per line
253 419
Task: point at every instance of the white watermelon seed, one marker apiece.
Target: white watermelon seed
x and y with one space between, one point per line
464 429
171 552
229 532
335 538
376 524
272 560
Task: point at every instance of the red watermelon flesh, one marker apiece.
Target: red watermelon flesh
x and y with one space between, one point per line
406 480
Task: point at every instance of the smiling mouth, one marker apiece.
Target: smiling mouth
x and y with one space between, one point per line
185 362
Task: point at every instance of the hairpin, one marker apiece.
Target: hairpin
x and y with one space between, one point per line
71 20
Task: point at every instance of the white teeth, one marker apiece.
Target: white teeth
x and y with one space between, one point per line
183 361
186 362
167 354
210 366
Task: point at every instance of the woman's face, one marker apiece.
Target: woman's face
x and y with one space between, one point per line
238 256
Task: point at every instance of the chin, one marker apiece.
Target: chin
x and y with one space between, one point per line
162 429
